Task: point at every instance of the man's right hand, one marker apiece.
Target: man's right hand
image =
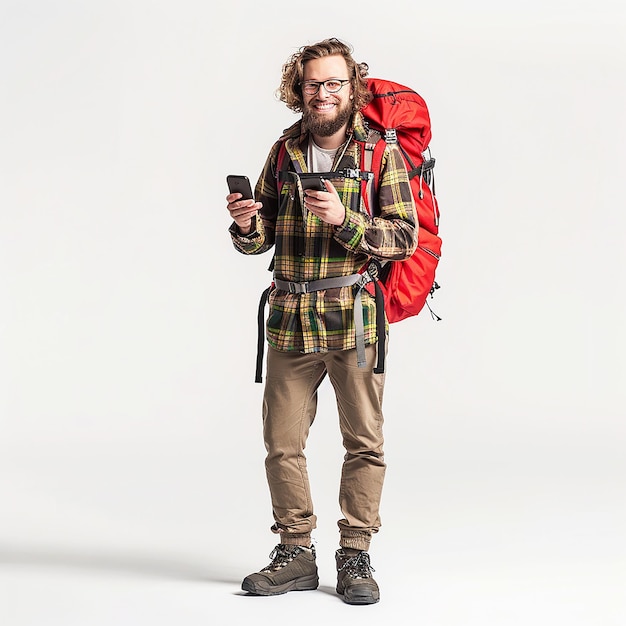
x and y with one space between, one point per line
242 211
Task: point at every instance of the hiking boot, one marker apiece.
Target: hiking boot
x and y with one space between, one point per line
292 568
354 577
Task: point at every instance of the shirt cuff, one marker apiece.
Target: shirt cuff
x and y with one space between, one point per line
351 231
248 237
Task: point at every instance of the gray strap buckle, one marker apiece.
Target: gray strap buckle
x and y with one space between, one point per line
298 287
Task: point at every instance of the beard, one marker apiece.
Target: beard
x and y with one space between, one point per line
322 125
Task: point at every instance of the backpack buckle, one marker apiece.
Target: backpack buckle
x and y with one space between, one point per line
357 174
374 268
391 136
298 287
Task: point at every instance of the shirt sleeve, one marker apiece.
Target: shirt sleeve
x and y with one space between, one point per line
392 233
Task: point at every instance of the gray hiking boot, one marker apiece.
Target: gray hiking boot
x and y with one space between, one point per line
292 568
354 577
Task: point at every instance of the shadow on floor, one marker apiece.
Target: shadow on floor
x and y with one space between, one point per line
118 561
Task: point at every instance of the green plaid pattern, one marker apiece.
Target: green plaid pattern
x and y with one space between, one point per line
306 248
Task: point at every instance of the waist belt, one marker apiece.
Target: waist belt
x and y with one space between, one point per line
318 285
360 280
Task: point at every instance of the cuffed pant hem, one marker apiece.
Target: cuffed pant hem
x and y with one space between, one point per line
355 542
295 540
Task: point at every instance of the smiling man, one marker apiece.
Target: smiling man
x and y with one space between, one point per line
321 321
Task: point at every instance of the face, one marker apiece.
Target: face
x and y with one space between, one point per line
325 114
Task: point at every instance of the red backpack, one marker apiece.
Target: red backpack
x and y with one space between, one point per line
401 116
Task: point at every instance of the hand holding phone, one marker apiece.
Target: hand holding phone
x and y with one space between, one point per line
244 209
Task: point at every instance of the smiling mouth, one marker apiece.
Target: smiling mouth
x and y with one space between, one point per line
325 106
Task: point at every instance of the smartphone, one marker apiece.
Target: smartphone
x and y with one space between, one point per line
240 184
312 181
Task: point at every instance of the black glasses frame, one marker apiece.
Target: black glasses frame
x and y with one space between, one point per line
308 85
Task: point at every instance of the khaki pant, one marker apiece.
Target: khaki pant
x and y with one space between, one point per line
289 406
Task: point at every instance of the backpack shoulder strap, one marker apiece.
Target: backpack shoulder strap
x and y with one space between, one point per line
282 163
371 159
372 150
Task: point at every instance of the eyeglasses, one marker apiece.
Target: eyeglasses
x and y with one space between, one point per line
332 85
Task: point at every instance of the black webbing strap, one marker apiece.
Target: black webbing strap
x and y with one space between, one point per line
261 336
381 328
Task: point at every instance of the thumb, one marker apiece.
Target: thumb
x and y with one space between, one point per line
329 186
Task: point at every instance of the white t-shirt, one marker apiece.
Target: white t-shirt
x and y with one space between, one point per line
319 159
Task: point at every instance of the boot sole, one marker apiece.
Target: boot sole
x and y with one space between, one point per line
366 598
306 583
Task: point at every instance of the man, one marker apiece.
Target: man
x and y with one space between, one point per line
322 239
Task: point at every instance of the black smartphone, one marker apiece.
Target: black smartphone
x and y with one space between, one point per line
240 184
312 181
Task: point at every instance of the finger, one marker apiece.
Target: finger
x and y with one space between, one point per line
241 204
243 210
312 204
316 198
237 211
330 188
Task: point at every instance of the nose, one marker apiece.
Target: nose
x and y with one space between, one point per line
322 94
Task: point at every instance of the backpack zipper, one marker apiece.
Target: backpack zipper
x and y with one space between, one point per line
393 94
434 254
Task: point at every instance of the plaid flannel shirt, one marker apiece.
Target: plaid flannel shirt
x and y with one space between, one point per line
306 248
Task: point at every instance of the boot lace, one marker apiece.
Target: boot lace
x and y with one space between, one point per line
358 566
282 555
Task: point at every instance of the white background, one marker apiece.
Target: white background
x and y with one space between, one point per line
132 487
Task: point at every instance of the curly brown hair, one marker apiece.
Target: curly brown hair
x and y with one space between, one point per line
290 91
